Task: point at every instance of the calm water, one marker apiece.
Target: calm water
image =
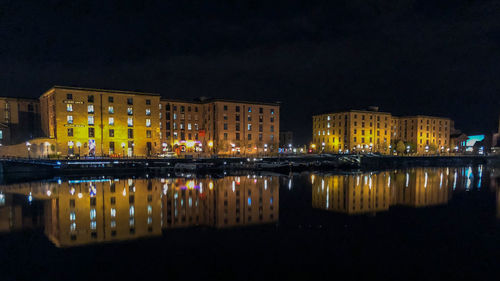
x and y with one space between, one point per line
420 223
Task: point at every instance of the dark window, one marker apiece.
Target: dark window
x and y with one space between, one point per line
110 99
131 199
167 107
130 133
113 200
130 101
70 132
90 98
148 102
91 133
148 133
71 203
261 110
225 107
69 96
111 133
249 136
92 201
237 136
237 108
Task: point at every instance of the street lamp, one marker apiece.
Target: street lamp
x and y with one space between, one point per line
79 145
123 149
28 145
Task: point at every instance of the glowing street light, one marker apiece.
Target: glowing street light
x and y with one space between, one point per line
28 145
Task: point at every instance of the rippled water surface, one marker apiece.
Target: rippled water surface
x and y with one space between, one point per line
419 223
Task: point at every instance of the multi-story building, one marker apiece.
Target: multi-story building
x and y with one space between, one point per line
182 126
352 131
19 120
374 131
426 133
286 139
98 122
220 126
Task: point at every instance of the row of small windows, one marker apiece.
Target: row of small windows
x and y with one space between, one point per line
111 133
90 99
111 121
249 137
249 127
111 109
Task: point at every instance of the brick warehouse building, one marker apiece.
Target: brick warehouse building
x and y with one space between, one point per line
98 122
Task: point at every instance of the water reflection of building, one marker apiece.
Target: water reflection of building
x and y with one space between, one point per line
375 192
78 212
230 201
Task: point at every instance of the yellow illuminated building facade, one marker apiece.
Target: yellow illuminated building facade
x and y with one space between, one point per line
375 192
357 131
97 122
352 131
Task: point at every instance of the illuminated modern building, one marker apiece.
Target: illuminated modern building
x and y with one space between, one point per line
374 131
352 131
19 120
375 192
219 126
98 122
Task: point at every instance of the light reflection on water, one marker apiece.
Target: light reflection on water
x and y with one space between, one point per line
82 211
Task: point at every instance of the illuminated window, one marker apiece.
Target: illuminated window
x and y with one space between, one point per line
249 127
131 211
111 121
189 126
182 126
72 216
69 107
175 116
130 111
90 108
70 119
72 226
249 109
272 110
130 122
148 112
148 122
93 225
113 224
113 212
111 109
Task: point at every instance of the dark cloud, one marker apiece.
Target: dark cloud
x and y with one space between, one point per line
407 56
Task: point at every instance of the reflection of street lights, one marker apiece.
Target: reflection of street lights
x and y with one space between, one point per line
28 145
79 145
123 149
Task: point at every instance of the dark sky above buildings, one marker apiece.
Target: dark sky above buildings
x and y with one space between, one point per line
438 57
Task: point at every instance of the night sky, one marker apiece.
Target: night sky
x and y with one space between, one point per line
406 56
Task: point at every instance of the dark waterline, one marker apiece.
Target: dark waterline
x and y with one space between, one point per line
419 223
